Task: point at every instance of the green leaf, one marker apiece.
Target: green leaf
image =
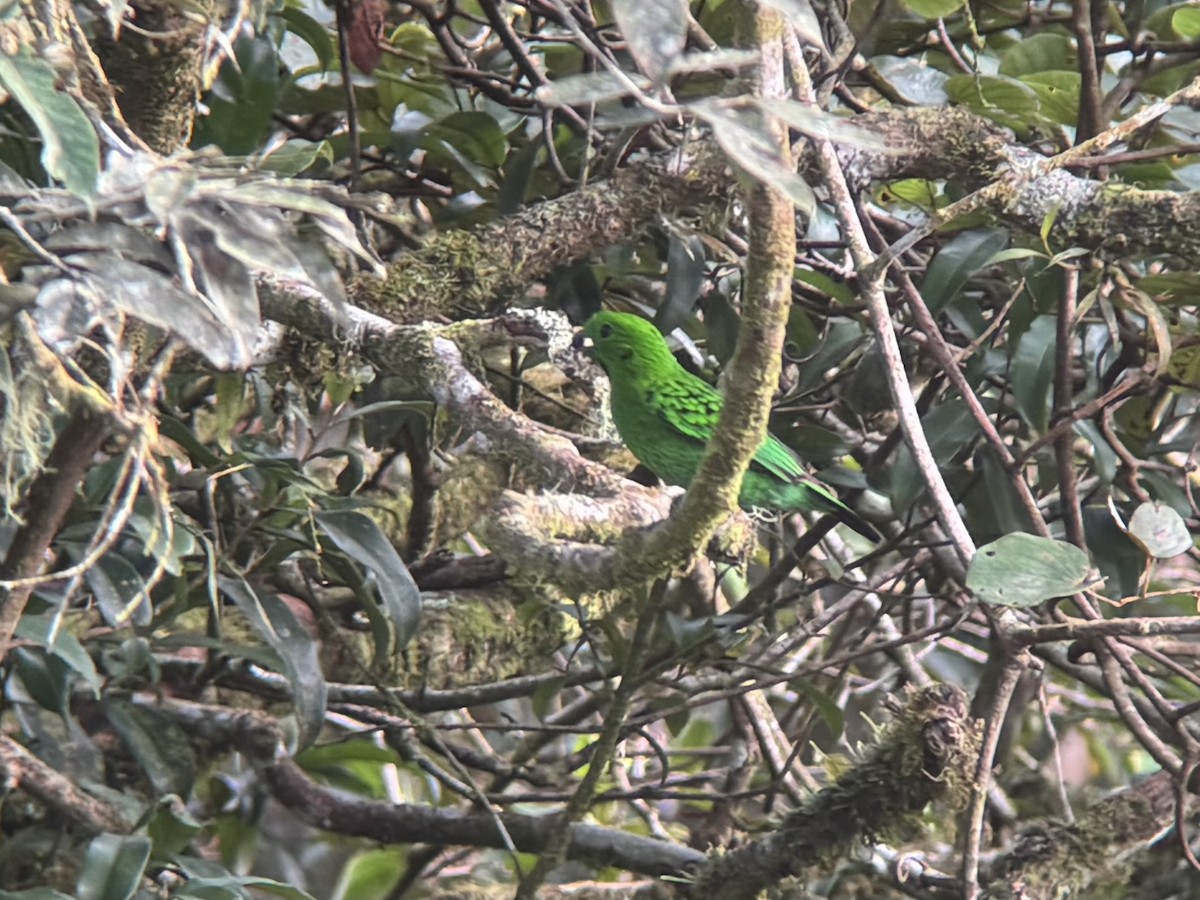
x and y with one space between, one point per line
1158 324
1058 95
1160 530
40 893
840 338
1043 52
954 264
171 827
838 290
66 647
296 156
120 591
156 742
1103 456
113 867
325 758
518 173
70 149
831 714
933 9
686 631
311 32
47 679
1004 503
1186 22
1024 570
1119 559
685 276
159 543
472 140
1033 371
297 649
655 33
743 134
243 100
361 539
721 325
918 192
372 874
1004 100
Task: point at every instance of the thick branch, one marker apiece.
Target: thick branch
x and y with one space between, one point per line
1053 859
926 754
561 538
462 273
259 737
470 273
49 501
21 769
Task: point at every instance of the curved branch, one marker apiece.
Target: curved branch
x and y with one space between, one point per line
927 753
465 273
21 769
261 740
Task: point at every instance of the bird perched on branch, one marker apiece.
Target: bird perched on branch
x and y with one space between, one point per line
666 415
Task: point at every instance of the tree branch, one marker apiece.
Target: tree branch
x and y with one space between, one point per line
926 754
49 500
21 769
260 738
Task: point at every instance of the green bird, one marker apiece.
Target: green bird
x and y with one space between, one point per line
666 415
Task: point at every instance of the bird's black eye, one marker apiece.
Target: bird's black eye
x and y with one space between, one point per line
605 331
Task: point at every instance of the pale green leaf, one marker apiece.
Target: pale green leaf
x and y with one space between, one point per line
70 148
1024 570
1160 530
113 867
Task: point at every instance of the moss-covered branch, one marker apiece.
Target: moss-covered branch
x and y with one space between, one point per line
260 739
461 273
1056 859
926 754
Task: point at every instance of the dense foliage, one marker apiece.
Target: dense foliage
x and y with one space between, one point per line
323 572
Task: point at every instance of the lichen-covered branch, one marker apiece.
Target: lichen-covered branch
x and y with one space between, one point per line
557 537
21 770
466 273
49 500
461 273
156 70
430 361
1053 859
261 740
926 754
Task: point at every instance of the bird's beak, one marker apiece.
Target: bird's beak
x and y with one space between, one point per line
582 342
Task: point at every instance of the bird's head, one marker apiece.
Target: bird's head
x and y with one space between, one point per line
621 342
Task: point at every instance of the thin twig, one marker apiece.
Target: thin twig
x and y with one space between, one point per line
1064 444
871 289
994 719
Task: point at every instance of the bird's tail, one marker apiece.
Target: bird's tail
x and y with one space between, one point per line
857 523
844 514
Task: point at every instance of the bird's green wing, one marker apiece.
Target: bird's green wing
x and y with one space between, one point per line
689 406
776 458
